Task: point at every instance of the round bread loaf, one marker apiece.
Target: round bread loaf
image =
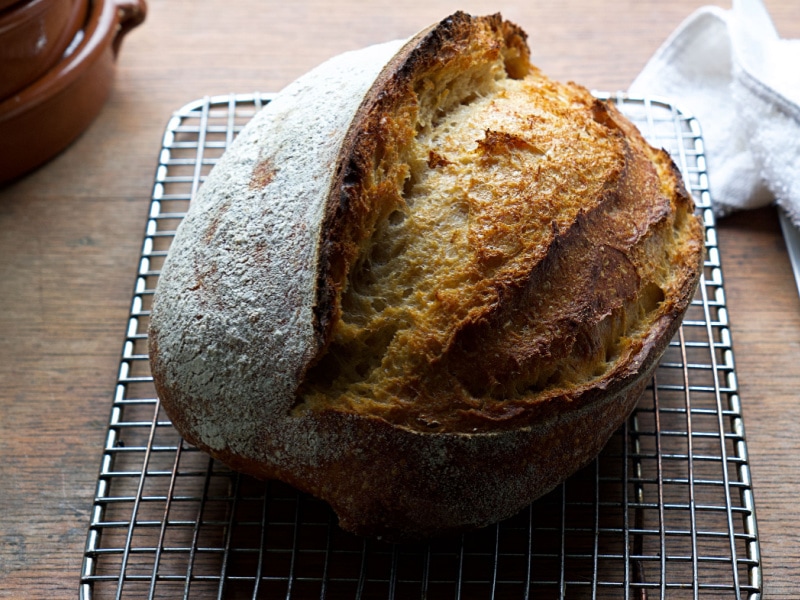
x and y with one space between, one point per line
425 284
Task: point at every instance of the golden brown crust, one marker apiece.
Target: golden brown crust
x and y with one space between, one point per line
485 363
347 220
501 261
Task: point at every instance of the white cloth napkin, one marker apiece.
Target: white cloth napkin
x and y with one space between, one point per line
731 70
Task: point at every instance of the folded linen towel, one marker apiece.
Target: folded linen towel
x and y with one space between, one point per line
731 70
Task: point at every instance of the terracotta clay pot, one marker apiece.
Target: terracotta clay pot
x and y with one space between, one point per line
33 37
40 121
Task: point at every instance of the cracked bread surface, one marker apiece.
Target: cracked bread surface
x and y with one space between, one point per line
425 284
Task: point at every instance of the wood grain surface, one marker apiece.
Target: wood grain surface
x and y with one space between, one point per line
70 235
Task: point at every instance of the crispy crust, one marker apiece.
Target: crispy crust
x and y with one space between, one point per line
249 303
346 221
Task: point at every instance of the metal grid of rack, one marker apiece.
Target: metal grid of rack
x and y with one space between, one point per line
665 511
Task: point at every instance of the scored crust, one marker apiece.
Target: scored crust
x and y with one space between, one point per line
425 283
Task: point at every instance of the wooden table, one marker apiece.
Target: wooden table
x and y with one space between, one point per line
70 235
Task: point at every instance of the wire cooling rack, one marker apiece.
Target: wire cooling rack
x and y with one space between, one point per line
666 511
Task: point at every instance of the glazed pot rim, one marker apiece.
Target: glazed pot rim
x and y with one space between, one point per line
98 34
19 12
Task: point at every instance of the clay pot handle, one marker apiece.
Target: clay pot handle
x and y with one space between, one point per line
130 14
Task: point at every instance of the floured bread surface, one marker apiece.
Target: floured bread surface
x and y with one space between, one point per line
469 274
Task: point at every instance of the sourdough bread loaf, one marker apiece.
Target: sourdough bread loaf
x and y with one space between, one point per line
426 283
